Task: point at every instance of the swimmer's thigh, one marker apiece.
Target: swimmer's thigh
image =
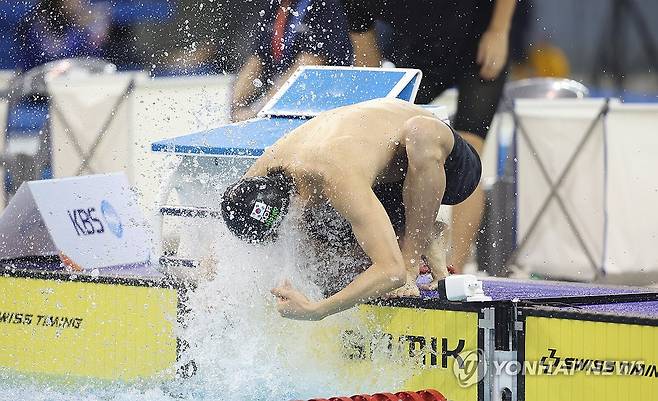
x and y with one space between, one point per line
390 196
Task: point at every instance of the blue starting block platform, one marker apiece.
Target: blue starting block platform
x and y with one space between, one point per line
309 92
247 138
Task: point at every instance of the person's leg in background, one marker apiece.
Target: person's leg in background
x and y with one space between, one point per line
477 104
466 216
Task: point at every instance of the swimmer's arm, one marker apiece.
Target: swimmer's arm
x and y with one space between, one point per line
373 230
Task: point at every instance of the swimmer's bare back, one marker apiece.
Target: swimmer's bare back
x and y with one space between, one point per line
360 140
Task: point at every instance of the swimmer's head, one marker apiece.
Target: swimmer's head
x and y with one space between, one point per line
254 206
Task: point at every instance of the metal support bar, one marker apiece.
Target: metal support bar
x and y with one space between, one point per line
555 186
500 378
87 156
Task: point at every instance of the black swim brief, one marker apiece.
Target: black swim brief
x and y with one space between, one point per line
462 169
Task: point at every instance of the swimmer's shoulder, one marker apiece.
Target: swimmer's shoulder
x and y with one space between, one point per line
368 107
334 121
395 104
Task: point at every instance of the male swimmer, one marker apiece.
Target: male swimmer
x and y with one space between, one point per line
385 166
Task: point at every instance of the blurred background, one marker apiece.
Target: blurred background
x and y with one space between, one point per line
215 36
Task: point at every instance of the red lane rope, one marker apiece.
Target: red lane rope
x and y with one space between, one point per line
431 395
361 397
422 395
384 397
409 396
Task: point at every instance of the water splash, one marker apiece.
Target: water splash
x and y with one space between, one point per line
242 348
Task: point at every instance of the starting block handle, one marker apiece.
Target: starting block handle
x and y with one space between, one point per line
178 262
189 211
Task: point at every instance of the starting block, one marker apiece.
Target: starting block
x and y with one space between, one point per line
309 92
207 162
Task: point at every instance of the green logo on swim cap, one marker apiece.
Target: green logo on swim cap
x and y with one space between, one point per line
265 213
274 213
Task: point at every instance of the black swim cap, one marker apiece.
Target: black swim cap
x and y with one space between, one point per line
254 206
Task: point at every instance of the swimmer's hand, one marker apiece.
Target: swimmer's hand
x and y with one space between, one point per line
292 304
410 289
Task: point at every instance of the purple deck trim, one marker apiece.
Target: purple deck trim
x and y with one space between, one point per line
508 289
501 289
643 309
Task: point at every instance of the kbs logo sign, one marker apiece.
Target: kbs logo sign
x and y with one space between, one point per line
86 221
112 219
